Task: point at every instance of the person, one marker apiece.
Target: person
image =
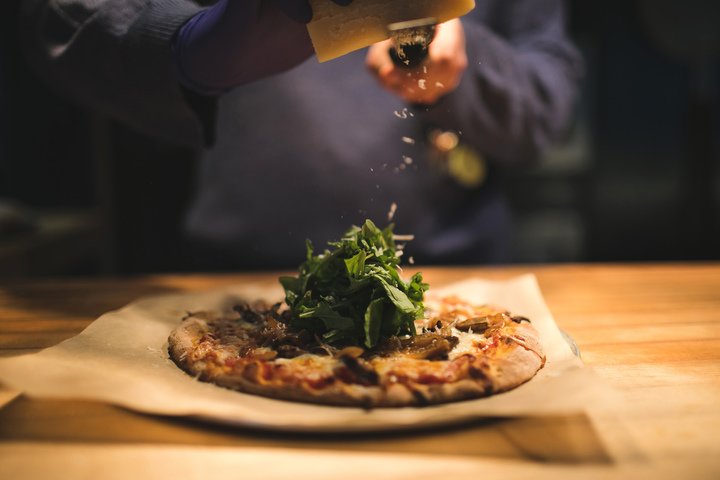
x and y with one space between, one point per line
292 149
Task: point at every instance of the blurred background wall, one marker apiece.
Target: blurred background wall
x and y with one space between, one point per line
637 177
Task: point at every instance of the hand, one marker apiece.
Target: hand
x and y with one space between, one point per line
299 10
438 75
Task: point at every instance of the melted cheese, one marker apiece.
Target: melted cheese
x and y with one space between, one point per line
308 366
467 343
337 30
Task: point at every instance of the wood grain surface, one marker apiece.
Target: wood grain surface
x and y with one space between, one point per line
650 331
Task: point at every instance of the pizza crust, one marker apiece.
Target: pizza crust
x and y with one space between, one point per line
221 350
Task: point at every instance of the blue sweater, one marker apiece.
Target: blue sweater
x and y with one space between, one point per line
309 152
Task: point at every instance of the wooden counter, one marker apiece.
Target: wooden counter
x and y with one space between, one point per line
651 331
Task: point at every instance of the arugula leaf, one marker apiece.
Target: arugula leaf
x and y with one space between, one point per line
401 301
373 321
332 319
356 265
353 293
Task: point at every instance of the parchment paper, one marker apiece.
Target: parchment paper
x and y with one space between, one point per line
122 358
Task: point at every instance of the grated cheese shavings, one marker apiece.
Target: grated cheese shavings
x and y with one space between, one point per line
391 212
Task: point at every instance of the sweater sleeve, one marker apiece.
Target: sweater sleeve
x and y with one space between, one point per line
114 56
518 92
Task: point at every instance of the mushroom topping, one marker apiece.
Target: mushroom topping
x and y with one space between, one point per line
249 314
426 346
474 324
352 352
289 351
519 319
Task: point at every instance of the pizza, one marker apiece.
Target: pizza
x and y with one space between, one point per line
460 352
351 331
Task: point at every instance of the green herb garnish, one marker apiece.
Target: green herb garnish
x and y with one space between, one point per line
352 293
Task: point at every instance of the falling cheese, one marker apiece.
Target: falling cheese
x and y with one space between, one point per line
337 30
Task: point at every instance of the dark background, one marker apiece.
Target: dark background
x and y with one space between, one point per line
636 179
